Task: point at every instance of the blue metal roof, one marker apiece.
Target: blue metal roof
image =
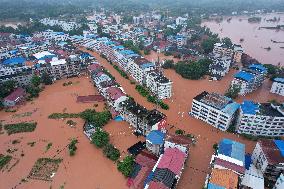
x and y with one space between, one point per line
280 146
214 186
149 178
245 76
127 52
156 137
231 108
118 47
247 161
249 107
147 65
14 61
232 149
279 79
258 67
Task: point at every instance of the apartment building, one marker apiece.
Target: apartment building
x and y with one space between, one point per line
141 119
159 85
65 25
238 52
268 157
214 109
249 79
220 67
222 50
261 119
278 86
22 75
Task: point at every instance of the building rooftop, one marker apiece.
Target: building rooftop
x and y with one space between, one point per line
243 75
279 80
172 159
258 67
15 94
178 139
229 165
213 99
253 178
267 110
232 149
249 107
156 137
165 176
223 178
14 61
159 77
136 108
271 151
154 116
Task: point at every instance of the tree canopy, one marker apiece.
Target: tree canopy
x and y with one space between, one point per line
100 138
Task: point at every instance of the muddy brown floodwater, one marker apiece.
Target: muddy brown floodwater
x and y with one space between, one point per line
255 39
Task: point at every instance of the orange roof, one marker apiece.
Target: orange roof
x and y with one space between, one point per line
224 178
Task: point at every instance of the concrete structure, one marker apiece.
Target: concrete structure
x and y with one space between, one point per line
280 182
159 85
268 157
265 119
216 110
238 52
278 86
249 79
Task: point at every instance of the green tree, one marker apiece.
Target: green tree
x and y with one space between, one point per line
126 166
7 87
72 147
111 152
233 91
35 80
168 64
227 42
208 44
46 79
33 91
100 138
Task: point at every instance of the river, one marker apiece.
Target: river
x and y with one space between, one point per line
255 40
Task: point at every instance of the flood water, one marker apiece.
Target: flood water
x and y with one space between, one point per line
255 39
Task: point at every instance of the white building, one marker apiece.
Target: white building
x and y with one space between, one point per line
221 50
216 110
278 86
249 79
220 67
280 182
181 20
238 52
268 157
159 85
264 119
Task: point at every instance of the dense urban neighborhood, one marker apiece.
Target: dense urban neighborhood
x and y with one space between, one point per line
148 100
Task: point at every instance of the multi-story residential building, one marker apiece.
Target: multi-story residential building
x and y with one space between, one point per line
238 52
22 75
268 157
265 119
181 20
142 119
278 86
222 50
66 26
159 85
215 109
249 79
220 67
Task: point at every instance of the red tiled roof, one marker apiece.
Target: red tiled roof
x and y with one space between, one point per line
90 98
145 161
94 67
115 93
138 181
230 165
19 92
178 139
271 151
157 185
172 159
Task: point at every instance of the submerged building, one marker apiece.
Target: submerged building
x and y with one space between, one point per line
261 119
215 109
278 86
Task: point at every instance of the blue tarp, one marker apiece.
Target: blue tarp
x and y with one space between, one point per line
127 52
249 107
245 76
14 61
231 108
147 65
258 67
118 118
247 161
214 186
279 79
232 149
156 137
280 146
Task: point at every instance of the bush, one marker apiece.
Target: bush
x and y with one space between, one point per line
141 90
100 138
233 91
126 166
4 160
20 127
111 152
168 64
121 72
72 147
63 115
179 132
215 147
